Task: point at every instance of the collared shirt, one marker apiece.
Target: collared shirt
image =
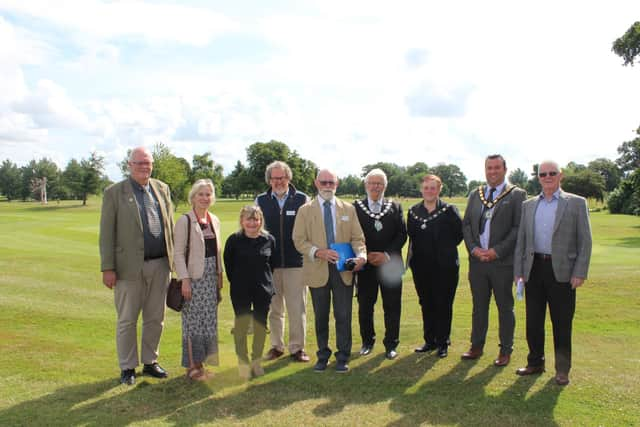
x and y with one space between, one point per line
312 251
485 237
544 221
281 201
370 202
153 246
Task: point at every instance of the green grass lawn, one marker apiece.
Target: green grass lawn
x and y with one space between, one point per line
58 363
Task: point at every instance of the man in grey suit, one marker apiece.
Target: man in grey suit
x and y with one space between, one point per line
136 251
552 258
490 228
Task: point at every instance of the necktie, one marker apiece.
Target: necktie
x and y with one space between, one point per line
328 223
153 220
375 207
483 218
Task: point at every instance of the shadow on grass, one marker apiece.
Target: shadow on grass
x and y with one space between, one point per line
629 242
453 398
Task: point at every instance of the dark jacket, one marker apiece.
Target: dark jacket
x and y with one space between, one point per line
437 243
391 237
280 224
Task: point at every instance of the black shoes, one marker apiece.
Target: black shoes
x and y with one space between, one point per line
426 348
128 376
342 367
154 370
321 365
391 354
366 349
442 352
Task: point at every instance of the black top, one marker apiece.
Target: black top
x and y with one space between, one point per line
434 236
246 262
393 234
279 222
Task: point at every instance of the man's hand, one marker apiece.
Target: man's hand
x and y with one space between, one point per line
376 258
478 252
186 288
109 278
328 255
490 255
360 262
576 282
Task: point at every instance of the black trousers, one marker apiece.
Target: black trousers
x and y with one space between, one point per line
247 310
542 289
369 281
321 299
436 288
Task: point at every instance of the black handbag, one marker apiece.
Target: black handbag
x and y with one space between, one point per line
175 300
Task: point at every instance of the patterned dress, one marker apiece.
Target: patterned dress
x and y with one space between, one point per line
200 314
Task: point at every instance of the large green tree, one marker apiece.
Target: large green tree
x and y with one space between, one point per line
628 46
351 185
584 182
518 177
629 151
608 170
10 180
235 183
172 170
203 167
37 170
454 183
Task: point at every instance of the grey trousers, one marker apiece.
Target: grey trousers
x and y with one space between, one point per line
342 306
486 279
147 294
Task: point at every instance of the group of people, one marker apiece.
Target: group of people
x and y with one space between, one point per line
288 243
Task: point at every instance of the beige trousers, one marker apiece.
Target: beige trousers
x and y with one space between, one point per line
290 292
146 295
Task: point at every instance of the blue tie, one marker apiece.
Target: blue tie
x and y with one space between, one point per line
328 223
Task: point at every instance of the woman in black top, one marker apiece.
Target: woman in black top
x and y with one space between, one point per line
246 259
435 230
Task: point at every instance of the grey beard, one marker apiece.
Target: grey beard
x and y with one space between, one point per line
326 194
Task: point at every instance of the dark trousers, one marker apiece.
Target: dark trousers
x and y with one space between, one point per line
247 311
321 298
436 289
542 289
487 278
369 280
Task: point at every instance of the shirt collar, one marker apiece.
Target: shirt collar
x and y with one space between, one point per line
370 202
332 201
140 187
499 188
555 195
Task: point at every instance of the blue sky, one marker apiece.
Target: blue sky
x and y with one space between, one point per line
345 83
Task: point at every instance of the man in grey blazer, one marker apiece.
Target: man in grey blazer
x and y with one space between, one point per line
136 251
552 257
490 228
319 223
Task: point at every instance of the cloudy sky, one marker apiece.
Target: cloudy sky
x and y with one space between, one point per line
345 83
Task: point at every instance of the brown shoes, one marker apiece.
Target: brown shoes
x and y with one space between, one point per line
273 354
472 354
300 356
562 379
502 360
530 370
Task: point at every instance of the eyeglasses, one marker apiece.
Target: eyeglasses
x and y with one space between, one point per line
142 163
278 178
544 174
376 184
327 183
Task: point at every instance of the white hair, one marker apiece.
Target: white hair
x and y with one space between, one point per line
376 172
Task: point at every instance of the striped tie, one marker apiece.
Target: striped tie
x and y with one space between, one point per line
153 219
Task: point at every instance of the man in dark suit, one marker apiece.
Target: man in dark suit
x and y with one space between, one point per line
136 251
319 223
490 228
552 257
385 233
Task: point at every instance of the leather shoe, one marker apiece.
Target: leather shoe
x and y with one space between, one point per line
300 356
530 370
273 354
321 365
128 376
366 349
426 348
562 379
502 360
154 370
443 352
342 367
472 354
391 354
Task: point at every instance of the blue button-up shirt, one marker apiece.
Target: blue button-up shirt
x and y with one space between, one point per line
543 222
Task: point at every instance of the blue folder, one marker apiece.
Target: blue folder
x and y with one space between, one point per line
345 251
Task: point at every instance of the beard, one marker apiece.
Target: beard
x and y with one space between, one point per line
327 194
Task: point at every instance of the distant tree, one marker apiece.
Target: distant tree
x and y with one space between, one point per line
629 151
204 167
124 164
174 171
85 177
37 170
473 184
234 184
628 46
10 180
585 182
72 179
533 185
453 180
518 177
625 199
608 170
350 185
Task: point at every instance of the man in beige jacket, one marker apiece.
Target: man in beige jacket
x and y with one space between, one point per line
136 251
